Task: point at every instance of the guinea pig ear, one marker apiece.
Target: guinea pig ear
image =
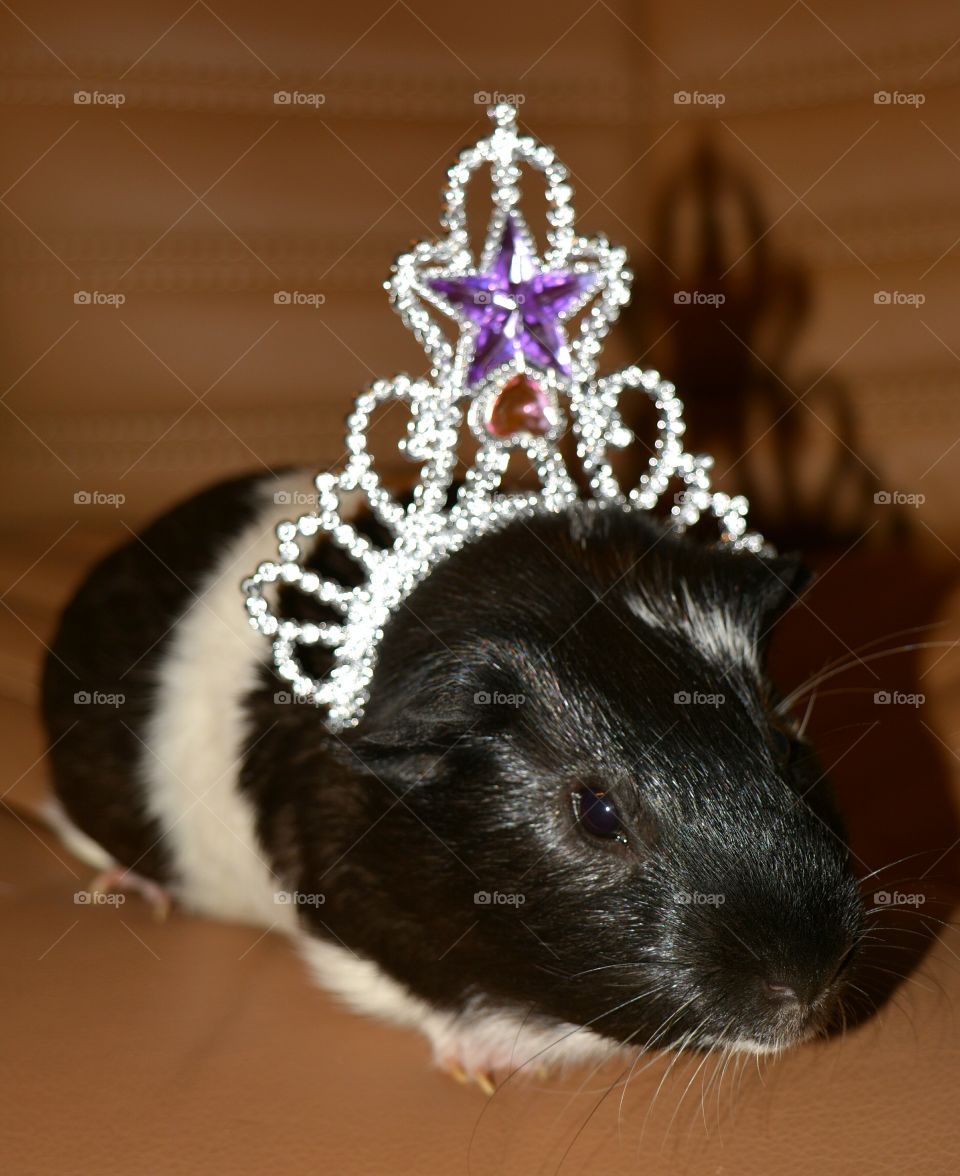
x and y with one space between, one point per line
431 716
772 585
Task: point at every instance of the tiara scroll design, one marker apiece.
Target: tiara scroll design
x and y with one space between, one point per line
521 372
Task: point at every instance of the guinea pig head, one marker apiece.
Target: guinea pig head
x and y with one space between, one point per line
588 810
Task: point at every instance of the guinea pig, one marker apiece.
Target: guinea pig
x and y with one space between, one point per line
570 823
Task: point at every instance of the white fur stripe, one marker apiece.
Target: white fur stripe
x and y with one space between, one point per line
196 734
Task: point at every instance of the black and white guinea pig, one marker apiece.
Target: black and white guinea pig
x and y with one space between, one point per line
570 822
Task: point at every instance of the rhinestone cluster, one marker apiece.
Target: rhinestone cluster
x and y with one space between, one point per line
562 394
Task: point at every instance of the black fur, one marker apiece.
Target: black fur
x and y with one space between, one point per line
111 640
436 796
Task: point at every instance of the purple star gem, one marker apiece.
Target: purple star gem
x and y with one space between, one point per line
518 309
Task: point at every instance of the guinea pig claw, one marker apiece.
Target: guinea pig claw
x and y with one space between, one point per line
119 878
486 1083
456 1072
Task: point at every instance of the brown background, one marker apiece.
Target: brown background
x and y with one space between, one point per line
800 198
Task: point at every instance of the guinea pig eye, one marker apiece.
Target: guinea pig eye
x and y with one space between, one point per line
783 745
598 815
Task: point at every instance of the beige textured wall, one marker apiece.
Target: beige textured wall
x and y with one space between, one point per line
798 198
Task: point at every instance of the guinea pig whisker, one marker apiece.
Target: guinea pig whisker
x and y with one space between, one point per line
898 976
593 1110
551 1045
647 1045
730 1054
896 862
683 1094
863 992
609 1089
801 730
520 1028
606 1092
683 1043
868 938
723 1051
693 1077
908 910
835 661
604 968
883 945
878 640
783 707
578 1029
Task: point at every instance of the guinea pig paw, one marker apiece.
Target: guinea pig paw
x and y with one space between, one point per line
119 878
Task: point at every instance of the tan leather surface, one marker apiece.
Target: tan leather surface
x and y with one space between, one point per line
821 199
192 1048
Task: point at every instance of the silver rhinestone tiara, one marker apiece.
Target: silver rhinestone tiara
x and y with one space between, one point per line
519 381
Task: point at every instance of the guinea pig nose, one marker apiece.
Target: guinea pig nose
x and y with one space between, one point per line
782 992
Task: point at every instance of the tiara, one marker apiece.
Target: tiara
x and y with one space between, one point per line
520 373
